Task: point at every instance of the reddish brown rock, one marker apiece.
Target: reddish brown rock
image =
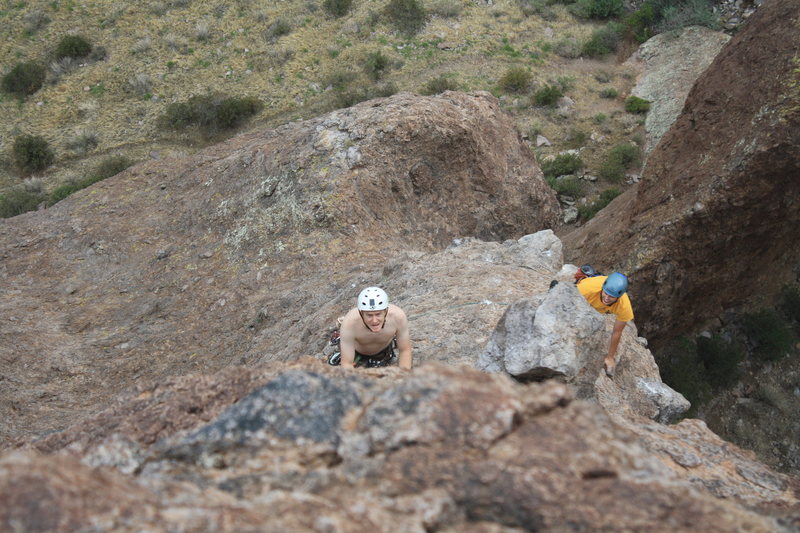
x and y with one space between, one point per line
713 223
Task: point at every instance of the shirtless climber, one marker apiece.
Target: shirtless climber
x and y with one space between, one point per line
369 332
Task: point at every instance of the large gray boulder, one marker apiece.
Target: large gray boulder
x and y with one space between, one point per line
558 334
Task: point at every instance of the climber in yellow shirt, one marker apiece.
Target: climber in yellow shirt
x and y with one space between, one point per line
608 294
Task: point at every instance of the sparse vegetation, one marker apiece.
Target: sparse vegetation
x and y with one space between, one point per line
588 211
603 41
24 79
561 165
768 333
609 92
211 113
547 96
598 9
617 161
375 65
408 16
658 16
439 85
516 80
18 200
32 153
75 46
634 104
567 186
445 8
110 166
337 8
278 29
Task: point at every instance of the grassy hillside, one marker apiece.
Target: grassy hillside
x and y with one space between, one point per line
298 60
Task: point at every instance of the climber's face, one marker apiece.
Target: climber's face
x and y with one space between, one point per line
607 299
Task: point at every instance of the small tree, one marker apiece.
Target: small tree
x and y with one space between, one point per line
408 16
516 80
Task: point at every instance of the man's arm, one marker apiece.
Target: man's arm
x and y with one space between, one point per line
347 347
404 343
616 335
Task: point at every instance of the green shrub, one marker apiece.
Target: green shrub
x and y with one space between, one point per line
211 112
439 85
682 370
587 212
603 76
516 80
446 8
17 200
24 79
353 95
568 47
277 29
603 41
640 23
110 166
687 13
599 118
768 333
720 359
609 92
569 186
408 16
790 304
576 138
634 104
627 154
561 165
75 46
375 65
598 9
547 96
337 8
32 153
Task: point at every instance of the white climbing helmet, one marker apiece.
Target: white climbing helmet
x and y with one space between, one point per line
373 299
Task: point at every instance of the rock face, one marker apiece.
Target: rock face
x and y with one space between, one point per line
558 334
713 222
671 62
444 448
249 250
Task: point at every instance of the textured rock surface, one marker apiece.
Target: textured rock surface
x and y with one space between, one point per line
443 448
717 204
670 64
247 251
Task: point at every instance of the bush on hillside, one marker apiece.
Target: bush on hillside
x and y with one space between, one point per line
561 165
568 185
609 92
375 65
658 16
75 46
445 8
516 80
211 112
634 104
617 161
32 153
439 85
24 79
18 200
720 359
768 333
598 9
588 211
682 370
350 96
337 8
547 96
110 166
279 28
603 41
408 16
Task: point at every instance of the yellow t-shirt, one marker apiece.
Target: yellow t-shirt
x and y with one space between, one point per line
591 288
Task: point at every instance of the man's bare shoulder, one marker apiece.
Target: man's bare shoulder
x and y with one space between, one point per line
352 317
397 313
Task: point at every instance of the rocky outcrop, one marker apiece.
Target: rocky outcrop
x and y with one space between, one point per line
713 223
558 335
670 63
443 448
249 250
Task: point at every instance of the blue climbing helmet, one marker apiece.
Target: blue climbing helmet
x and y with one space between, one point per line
615 285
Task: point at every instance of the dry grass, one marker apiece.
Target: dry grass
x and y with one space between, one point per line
186 48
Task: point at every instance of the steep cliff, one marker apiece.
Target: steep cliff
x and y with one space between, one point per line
713 223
